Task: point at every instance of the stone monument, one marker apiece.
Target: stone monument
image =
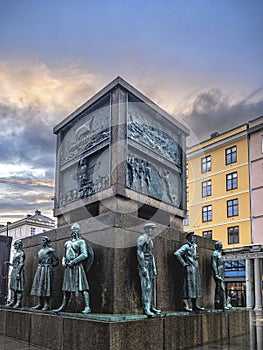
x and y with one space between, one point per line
120 166
121 163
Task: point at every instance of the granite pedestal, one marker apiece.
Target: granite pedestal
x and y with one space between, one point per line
118 332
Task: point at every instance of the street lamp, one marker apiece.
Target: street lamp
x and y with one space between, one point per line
8 223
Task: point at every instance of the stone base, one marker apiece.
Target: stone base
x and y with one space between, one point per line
170 330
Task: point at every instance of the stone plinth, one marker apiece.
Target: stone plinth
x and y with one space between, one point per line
113 278
108 332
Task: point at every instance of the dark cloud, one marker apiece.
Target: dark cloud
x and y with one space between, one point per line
213 111
26 138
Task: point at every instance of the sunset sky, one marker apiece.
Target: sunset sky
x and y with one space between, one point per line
200 60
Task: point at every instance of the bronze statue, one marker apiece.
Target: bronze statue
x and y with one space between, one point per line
17 280
188 257
77 259
43 280
218 273
147 268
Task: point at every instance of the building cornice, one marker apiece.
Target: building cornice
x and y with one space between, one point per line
215 145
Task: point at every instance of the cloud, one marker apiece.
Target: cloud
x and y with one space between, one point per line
33 99
215 111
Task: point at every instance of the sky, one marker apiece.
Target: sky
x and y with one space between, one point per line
200 60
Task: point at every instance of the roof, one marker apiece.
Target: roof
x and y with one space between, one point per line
39 217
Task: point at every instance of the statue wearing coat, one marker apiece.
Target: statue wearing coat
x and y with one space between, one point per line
188 257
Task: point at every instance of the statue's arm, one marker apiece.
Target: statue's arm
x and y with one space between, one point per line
21 263
179 255
214 263
64 261
83 253
54 258
140 256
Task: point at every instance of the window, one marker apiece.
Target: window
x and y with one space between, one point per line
186 170
231 181
187 194
235 268
232 208
206 188
207 213
206 164
233 235
32 231
207 234
231 155
21 231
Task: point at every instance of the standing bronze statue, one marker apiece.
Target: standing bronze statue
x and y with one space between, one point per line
188 257
77 260
17 280
43 280
218 273
147 268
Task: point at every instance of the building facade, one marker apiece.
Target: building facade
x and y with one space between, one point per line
218 188
224 192
28 226
255 135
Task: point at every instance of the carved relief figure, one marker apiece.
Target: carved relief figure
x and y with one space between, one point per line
91 129
43 281
152 137
218 274
188 257
77 260
147 269
17 280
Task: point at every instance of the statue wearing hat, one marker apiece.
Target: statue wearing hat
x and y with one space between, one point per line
218 268
147 268
188 257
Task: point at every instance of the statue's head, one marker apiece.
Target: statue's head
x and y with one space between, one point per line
218 245
45 241
75 230
18 244
149 228
190 236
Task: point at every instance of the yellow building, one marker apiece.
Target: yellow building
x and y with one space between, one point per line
218 196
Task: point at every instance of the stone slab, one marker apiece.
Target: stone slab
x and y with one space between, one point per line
172 330
17 325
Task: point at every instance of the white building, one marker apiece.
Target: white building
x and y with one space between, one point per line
28 226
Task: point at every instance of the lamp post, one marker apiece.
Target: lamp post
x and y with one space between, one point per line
8 223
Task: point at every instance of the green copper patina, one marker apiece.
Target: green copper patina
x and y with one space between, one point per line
43 280
147 269
17 280
77 259
188 257
218 273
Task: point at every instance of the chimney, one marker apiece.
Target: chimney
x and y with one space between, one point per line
214 134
